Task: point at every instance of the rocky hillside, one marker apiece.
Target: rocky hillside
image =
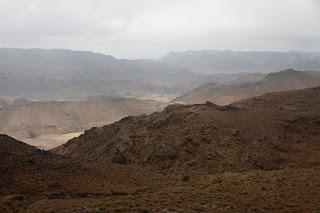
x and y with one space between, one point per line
27 172
25 119
259 154
22 165
273 131
222 94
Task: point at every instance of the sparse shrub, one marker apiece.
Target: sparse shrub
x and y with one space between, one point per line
185 178
31 134
31 161
118 193
55 184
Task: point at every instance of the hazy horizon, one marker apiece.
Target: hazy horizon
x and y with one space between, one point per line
152 29
161 56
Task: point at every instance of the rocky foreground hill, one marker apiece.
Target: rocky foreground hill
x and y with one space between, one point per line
274 131
28 175
223 94
256 155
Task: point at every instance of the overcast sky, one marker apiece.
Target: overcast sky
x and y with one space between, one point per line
152 28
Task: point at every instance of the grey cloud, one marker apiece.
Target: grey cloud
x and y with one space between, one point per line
151 28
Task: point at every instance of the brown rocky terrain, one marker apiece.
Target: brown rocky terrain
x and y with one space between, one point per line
223 94
28 175
257 191
273 131
255 155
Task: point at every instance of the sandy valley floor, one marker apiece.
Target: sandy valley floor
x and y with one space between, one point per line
50 141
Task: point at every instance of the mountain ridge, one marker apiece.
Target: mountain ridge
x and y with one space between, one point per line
236 137
210 61
222 94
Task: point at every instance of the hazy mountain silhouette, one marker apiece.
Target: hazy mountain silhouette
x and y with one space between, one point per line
61 74
211 61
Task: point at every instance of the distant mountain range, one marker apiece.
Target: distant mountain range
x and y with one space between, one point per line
74 75
213 61
223 94
60 74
